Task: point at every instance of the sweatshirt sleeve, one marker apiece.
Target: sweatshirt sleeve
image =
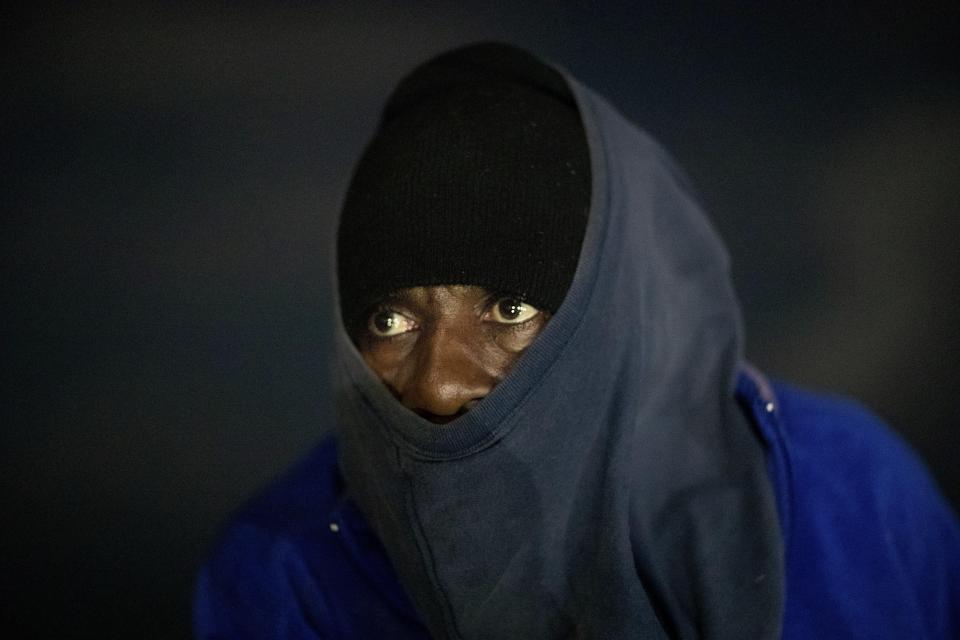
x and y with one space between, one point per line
875 546
255 584
925 536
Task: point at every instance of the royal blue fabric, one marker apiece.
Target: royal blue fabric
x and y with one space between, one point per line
872 548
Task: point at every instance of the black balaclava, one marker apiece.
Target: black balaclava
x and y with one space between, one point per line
478 175
609 486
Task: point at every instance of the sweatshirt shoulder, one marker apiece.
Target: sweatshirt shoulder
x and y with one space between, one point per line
873 543
298 500
264 576
851 450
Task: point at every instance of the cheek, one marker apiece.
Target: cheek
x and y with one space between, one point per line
516 339
384 357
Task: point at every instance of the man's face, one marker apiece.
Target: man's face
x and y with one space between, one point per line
442 349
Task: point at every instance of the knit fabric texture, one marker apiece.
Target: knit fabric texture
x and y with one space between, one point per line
476 176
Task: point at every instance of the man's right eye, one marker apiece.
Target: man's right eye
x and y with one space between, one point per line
384 324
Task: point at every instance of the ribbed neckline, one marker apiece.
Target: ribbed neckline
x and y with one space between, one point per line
491 419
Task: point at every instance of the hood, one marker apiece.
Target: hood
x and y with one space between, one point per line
609 486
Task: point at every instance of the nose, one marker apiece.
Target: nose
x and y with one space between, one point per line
445 378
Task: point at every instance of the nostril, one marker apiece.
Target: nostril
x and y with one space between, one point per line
444 419
437 419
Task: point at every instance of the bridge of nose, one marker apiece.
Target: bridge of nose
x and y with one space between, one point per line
447 372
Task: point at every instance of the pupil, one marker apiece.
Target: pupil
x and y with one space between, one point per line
384 322
511 309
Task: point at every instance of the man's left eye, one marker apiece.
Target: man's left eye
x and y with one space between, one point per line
512 311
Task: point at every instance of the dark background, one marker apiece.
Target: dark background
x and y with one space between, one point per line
171 173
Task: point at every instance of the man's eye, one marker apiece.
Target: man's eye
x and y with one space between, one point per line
389 323
512 311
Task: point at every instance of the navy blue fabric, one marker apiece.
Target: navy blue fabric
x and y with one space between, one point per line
608 487
872 548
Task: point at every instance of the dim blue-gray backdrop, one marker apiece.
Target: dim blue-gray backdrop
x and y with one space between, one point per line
171 172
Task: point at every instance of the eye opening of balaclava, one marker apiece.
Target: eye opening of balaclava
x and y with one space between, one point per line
479 174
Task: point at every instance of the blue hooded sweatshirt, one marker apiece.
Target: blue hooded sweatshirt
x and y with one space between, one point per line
630 478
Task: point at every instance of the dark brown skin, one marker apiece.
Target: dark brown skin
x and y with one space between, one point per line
442 349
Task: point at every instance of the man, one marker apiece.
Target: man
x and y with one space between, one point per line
545 426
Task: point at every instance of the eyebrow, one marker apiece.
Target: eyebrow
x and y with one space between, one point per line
398 295
407 297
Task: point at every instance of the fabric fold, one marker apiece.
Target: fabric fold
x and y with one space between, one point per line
609 486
